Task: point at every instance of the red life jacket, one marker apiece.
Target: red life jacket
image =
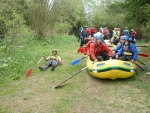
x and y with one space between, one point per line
88 31
93 30
95 50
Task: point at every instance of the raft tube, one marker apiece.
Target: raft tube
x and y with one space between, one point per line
111 69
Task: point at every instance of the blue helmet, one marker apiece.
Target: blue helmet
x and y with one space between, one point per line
125 38
94 35
98 35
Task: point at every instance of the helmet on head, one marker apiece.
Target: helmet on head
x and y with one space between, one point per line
98 35
125 38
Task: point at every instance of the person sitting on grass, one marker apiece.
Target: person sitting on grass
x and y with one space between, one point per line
51 61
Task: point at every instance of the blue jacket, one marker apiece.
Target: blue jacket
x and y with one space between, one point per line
118 48
132 49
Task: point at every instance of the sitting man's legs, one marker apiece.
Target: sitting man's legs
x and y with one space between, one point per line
54 64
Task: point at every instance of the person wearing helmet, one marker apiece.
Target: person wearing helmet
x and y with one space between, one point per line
99 51
87 45
99 35
125 32
124 47
122 38
51 61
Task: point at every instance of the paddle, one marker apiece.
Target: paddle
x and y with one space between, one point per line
76 61
143 64
30 70
73 75
142 69
135 45
140 54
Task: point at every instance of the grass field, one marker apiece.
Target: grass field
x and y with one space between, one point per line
81 94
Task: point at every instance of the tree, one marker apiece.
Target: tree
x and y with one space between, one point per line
139 10
12 22
139 13
69 15
60 16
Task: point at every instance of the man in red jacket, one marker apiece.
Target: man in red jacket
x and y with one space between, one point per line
133 34
93 30
88 30
99 51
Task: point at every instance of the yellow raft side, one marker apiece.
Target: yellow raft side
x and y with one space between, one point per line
111 69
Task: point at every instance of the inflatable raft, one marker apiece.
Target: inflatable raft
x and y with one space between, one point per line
111 69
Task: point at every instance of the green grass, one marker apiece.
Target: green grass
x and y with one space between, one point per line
81 94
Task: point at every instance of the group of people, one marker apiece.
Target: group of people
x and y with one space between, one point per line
95 46
85 34
117 33
98 50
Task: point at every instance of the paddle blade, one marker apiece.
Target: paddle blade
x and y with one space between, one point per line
142 69
75 62
28 72
144 55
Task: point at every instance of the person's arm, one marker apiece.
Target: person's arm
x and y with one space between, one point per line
59 60
86 47
120 52
134 52
108 50
48 58
118 47
134 34
92 51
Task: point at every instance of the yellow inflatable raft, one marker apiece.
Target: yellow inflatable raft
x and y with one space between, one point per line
111 69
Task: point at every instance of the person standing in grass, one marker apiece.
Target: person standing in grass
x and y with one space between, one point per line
93 30
51 61
133 34
126 32
84 36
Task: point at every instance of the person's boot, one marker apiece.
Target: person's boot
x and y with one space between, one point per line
42 69
52 68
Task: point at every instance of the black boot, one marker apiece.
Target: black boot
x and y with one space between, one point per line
41 69
52 68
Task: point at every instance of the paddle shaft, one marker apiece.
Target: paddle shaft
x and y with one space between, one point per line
67 79
82 58
143 63
37 63
30 70
73 75
142 69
